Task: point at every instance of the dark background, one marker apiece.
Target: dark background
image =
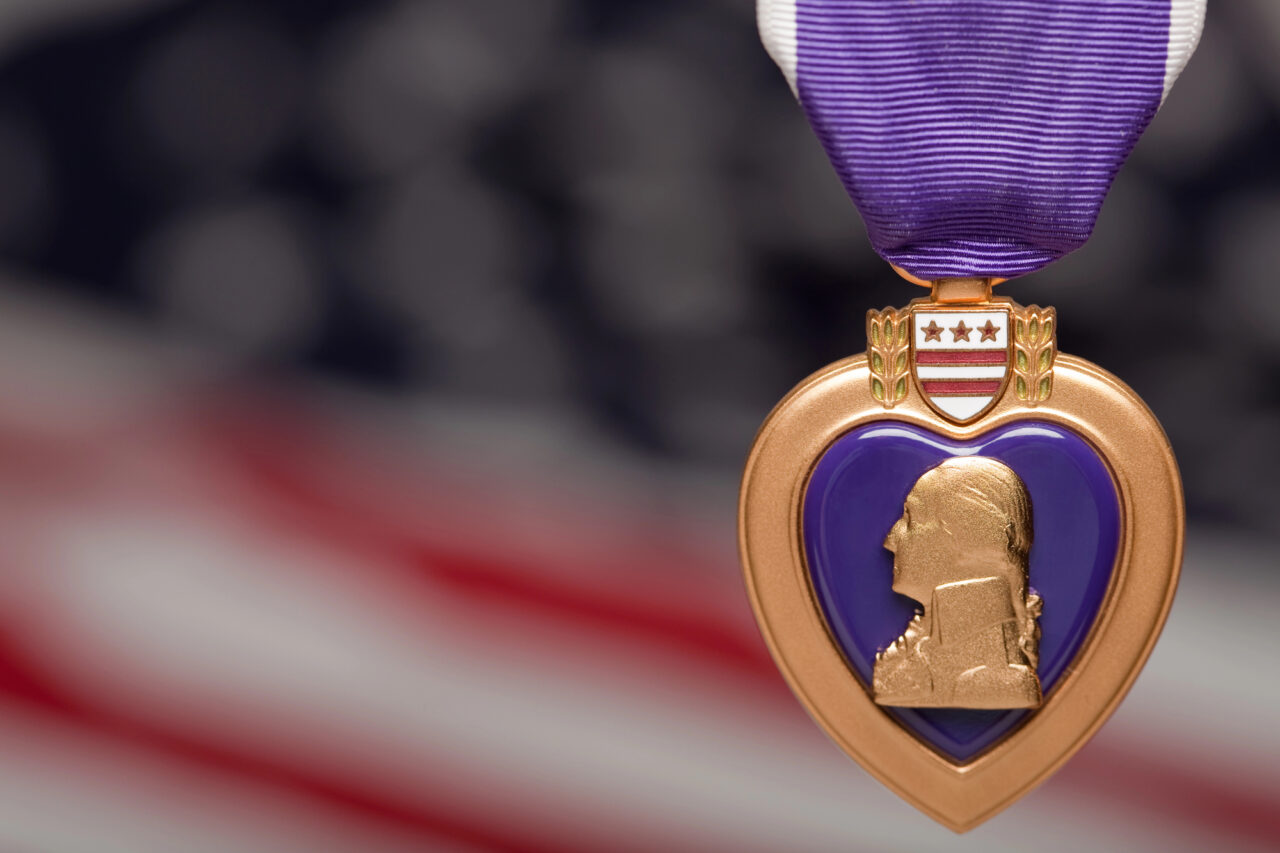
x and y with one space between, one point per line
606 214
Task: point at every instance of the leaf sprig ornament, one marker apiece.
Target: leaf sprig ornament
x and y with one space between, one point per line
1034 348
889 346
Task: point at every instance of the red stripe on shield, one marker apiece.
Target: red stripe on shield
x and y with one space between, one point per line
962 387
970 357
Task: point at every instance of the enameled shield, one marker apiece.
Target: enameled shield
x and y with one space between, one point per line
961 358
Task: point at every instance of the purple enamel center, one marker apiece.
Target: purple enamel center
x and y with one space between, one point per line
979 137
856 494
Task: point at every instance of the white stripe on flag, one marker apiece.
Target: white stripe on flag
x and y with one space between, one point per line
961 371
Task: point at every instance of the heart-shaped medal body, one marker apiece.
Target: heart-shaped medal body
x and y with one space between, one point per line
824 487
856 493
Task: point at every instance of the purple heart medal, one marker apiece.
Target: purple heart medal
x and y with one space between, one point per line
962 544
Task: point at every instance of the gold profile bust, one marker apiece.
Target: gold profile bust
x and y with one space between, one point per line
960 549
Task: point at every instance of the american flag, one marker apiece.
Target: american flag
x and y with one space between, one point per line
306 619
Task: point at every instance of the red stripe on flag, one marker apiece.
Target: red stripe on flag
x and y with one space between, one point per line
23 682
963 387
992 356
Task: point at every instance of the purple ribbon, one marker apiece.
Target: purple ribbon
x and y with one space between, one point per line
979 137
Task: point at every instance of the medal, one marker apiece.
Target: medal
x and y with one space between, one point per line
961 545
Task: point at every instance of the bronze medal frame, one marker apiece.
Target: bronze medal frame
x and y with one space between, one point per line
1085 399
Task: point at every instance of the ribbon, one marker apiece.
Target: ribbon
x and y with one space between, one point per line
979 137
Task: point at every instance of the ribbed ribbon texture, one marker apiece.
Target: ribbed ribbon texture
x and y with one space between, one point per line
979 137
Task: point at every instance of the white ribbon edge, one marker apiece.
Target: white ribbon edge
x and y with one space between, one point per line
1186 23
776 20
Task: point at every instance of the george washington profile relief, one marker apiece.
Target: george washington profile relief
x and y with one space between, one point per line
960 549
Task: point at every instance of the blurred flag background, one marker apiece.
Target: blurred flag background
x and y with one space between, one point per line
373 382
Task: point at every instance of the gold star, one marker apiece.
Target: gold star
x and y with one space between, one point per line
932 332
960 332
989 331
